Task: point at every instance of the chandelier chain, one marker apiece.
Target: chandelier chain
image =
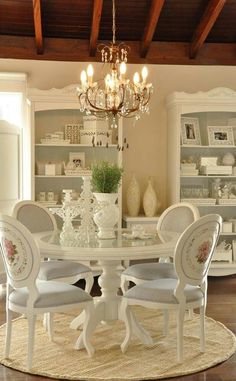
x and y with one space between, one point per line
113 22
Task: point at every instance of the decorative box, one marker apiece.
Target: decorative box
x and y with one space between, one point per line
223 255
208 161
50 169
227 227
216 170
53 141
227 201
189 172
100 136
72 132
200 201
91 122
78 172
40 168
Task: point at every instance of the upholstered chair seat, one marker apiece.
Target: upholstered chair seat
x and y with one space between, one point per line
151 271
50 270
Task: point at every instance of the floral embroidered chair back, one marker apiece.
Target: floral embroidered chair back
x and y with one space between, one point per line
19 251
195 248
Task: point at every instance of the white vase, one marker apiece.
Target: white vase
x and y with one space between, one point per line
228 159
107 214
150 201
133 197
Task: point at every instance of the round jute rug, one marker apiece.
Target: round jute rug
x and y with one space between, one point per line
59 359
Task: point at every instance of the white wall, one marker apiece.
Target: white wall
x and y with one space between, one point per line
147 153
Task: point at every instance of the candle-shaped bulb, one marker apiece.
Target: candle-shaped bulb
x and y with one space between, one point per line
90 70
144 73
83 77
107 80
122 68
136 78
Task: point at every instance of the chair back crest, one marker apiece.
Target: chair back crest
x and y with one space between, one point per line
194 249
178 217
34 216
20 253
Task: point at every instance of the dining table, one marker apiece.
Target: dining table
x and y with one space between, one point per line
109 253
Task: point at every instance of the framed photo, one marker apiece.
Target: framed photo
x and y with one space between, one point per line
190 132
220 135
78 159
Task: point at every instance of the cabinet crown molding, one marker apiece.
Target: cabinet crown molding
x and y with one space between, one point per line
217 93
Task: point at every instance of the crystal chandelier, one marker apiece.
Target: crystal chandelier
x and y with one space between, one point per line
114 96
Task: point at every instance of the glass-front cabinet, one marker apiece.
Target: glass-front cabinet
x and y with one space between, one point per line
202 162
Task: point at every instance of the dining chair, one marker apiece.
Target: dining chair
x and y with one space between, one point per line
38 219
192 259
29 296
176 218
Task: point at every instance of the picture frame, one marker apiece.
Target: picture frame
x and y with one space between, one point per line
78 158
220 136
190 131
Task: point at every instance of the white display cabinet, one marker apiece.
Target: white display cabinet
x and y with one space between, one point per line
216 108
51 110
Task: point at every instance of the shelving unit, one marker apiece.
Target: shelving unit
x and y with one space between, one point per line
213 108
51 110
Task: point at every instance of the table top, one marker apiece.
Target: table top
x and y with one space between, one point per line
123 247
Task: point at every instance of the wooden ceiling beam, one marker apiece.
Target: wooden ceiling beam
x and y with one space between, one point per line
204 27
97 12
38 26
165 53
154 13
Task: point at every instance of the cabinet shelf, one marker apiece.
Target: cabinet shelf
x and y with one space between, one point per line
205 146
208 176
74 145
59 176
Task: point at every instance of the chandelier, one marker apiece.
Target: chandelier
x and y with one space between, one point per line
114 96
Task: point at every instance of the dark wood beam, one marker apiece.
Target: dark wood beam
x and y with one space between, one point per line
97 11
150 27
204 27
169 53
38 26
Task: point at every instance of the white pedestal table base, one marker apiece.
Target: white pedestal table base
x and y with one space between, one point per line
107 307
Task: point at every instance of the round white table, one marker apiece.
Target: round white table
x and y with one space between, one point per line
109 254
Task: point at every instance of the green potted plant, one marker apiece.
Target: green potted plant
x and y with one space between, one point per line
106 178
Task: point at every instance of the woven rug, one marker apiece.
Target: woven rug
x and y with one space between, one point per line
59 359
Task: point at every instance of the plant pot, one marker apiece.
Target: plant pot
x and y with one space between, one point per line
107 214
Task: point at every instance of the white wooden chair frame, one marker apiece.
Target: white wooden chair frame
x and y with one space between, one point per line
87 276
27 278
186 276
125 279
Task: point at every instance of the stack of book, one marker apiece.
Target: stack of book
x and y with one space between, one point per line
188 169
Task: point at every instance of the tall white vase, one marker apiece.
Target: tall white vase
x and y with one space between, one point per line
150 201
107 214
133 197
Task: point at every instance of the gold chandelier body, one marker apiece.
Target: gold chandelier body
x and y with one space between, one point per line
114 96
